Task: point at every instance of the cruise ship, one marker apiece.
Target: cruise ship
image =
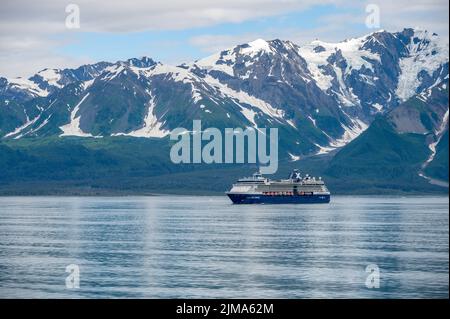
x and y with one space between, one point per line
297 189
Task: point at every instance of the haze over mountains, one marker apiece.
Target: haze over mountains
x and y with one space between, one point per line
321 96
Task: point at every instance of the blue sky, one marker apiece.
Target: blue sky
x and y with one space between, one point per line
33 35
177 46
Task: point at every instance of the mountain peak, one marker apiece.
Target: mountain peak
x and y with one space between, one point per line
420 33
255 47
142 62
259 44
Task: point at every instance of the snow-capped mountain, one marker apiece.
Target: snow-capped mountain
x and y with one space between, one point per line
47 81
320 95
409 143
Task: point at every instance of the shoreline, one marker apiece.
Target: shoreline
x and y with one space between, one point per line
129 195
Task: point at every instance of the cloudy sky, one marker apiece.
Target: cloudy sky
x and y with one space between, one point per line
34 34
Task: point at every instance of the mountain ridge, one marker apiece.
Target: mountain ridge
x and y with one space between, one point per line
321 96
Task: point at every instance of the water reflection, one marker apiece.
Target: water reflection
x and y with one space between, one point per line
167 247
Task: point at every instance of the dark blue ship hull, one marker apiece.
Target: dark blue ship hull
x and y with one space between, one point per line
278 199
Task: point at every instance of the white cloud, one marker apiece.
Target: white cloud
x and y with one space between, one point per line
31 32
394 15
28 27
140 15
428 14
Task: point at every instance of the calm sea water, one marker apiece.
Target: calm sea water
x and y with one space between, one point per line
204 247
